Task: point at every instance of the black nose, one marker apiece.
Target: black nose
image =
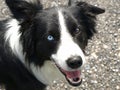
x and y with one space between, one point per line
74 62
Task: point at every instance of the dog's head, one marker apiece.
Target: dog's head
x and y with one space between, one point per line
59 34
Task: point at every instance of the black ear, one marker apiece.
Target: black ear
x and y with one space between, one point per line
90 9
23 9
87 8
71 2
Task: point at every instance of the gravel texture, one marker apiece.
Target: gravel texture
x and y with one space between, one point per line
102 70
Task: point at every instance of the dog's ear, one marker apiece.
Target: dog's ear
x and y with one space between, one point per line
87 8
90 9
72 2
23 9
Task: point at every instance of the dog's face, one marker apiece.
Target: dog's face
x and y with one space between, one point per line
61 36
62 40
58 34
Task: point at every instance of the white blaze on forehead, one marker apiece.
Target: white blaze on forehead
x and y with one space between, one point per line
67 47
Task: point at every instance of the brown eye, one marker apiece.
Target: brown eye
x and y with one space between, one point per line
77 31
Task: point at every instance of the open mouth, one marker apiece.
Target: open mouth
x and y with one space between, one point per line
73 77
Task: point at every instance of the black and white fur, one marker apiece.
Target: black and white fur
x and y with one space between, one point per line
38 44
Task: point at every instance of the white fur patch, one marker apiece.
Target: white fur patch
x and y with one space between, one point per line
67 47
12 36
47 73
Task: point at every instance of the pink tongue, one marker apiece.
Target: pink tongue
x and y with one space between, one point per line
72 74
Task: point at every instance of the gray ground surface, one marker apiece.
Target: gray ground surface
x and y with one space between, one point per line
102 70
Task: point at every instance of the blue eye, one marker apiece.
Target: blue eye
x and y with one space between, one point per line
50 38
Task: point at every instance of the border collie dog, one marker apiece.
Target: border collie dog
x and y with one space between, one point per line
37 44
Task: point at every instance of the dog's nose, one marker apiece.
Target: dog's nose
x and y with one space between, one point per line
74 62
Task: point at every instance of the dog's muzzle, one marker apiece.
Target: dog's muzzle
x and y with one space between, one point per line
73 74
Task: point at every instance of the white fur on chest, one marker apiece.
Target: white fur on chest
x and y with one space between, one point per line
12 36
